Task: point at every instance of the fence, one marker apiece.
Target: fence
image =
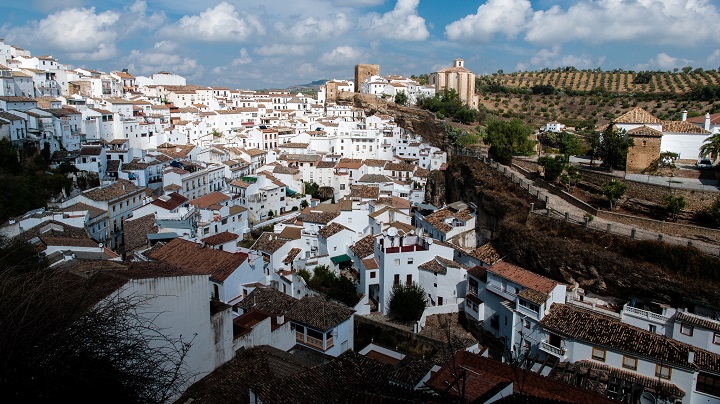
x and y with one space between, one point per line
626 231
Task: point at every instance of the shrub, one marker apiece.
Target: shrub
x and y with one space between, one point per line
407 302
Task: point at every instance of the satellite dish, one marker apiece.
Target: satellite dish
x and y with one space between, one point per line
430 241
392 232
384 233
412 232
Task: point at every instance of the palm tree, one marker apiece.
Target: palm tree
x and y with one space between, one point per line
711 147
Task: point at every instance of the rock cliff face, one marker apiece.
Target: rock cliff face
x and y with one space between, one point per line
598 262
415 120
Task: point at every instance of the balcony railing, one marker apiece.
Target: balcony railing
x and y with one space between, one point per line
553 350
635 312
313 342
499 291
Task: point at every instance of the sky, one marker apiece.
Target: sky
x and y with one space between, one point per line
254 44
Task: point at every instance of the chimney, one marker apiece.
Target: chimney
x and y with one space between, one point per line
684 115
707 121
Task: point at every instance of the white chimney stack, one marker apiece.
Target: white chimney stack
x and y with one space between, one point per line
684 115
707 121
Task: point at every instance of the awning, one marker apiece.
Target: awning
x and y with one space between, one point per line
289 192
340 259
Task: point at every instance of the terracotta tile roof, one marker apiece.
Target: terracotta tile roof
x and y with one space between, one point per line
317 217
478 272
10 117
400 167
135 232
254 152
644 131
714 119
93 212
570 373
523 277
374 162
115 190
220 238
303 158
16 98
370 263
637 115
319 313
294 145
325 164
699 321
291 255
486 253
268 300
484 375
603 331
207 201
332 229
682 127
268 242
285 170
290 233
231 382
437 219
439 265
364 247
240 183
68 241
422 172
171 201
374 178
352 164
235 209
364 191
193 257
533 296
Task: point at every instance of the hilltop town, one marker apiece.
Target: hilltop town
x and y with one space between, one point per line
277 240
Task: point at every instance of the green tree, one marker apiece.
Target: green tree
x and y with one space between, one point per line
508 139
401 98
613 148
337 287
553 166
570 145
570 177
613 190
407 302
311 188
304 204
711 147
674 204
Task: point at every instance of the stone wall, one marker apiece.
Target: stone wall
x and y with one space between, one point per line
669 228
645 151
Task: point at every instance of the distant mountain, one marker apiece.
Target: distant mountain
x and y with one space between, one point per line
312 86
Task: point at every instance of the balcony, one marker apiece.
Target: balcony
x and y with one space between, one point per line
552 350
500 292
313 342
644 314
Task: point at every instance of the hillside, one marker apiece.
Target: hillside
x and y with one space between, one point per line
591 97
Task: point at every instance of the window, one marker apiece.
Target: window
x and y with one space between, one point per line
629 363
716 338
686 329
397 261
410 261
653 328
663 372
396 281
527 323
373 274
598 354
408 280
708 384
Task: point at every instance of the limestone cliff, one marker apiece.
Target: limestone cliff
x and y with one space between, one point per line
415 120
598 262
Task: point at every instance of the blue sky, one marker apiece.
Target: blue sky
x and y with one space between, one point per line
276 43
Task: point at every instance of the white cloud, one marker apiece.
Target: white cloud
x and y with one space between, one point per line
714 57
81 31
680 22
553 57
496 16
243 59
162 57
223 23
312 28
663 61
402 23
282 49
103 52
136 18
342 55
521 67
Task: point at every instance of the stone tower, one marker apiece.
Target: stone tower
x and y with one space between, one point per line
364 71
